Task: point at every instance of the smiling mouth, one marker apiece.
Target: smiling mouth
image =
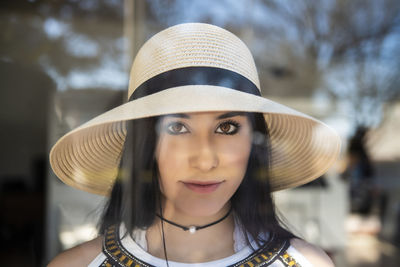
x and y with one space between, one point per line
202 187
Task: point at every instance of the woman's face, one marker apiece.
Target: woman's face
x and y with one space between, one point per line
202 159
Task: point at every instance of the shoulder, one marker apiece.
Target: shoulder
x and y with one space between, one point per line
80 255
315 255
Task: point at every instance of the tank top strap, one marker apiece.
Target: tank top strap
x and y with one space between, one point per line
116 254
268 254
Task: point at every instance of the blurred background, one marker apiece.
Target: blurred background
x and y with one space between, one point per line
64 62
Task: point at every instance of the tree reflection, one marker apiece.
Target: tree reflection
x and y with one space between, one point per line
345 48
79 44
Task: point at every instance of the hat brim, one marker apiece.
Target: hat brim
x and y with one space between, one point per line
303 148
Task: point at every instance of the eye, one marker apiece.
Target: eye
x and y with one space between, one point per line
228 127
176 128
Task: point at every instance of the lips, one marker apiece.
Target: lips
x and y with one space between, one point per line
202 187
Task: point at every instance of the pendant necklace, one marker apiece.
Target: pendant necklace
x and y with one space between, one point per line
193 228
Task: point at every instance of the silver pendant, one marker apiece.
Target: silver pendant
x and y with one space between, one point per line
192 229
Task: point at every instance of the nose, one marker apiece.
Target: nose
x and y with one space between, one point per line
204 155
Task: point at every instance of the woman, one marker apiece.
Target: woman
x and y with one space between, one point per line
190 179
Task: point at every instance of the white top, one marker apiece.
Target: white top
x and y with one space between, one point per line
136 245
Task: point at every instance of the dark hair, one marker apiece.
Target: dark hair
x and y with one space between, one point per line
135 196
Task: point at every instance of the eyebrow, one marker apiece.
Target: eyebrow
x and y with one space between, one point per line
222 116
231 114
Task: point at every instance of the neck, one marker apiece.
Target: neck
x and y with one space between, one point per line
194 228
207 244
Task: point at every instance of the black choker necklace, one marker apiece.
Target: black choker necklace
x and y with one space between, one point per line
193 228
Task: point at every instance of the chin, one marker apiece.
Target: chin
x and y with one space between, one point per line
201 208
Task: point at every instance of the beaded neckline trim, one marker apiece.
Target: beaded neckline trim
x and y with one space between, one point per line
118 256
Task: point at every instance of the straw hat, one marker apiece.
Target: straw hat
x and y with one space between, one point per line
194 67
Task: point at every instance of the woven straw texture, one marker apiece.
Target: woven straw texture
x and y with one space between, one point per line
194 44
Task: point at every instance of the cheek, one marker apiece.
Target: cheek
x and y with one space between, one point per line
236 153
169 157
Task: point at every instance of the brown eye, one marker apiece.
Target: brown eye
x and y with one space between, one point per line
225 127
229 127
176 128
